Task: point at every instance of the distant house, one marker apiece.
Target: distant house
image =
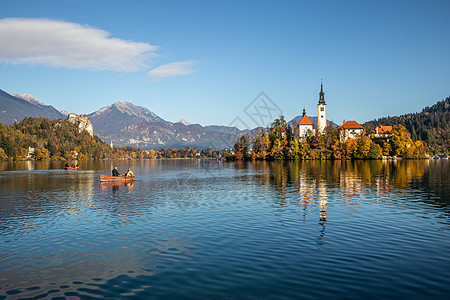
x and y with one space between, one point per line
30 152
73 154
382 134
383 131
303 126
351 129
283 132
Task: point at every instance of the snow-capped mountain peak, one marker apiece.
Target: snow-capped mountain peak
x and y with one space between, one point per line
121 114
184 122
29 98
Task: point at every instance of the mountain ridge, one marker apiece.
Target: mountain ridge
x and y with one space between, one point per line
431 125
114 117
15 109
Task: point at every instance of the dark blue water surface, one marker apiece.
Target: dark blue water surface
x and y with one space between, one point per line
196 229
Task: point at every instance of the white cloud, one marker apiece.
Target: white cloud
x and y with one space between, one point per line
172 69
62 44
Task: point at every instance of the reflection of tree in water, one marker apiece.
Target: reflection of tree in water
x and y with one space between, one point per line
350 181
308 180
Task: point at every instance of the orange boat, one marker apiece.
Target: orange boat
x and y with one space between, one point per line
70 168
116 178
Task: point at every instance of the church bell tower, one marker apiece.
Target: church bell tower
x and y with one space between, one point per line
322 111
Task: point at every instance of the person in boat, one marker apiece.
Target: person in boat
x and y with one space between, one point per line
129 173
66 165
115 172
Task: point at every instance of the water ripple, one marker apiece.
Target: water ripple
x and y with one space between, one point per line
251 231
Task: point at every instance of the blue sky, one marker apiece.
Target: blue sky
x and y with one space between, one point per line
206 61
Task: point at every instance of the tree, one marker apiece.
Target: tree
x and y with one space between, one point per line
261 143
278 129
364 146
241 148
375 151
351 148
3 156
400 141
277 150
387 149
295 149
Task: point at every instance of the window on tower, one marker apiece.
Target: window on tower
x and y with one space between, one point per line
322 109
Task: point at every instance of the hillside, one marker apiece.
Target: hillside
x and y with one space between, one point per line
431 125
55 139
15 109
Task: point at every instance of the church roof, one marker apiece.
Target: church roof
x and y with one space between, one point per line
321 95
305 121
351 125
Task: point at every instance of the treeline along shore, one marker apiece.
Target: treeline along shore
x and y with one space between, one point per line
412 136
43 139
279 143
59 139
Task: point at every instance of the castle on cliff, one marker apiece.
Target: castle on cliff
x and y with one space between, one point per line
83 123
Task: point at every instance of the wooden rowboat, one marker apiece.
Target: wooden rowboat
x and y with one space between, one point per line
116 178
70 168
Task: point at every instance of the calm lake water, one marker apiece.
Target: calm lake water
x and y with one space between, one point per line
198 229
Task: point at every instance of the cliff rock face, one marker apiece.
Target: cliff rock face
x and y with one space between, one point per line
83 123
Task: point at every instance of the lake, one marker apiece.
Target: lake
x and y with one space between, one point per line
200 229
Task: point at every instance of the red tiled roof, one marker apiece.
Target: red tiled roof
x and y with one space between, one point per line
351 125
384 129
305 121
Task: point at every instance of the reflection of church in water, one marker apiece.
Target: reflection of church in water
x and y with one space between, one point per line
314 191
322 194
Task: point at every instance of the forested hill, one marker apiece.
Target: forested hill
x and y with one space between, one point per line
431 125
56 139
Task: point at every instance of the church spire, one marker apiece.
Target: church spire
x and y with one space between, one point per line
321 110
304 112
321 94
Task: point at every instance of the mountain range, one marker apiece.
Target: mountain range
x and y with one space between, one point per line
16 108
125 124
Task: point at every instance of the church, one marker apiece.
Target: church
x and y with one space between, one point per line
305 124
348 130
